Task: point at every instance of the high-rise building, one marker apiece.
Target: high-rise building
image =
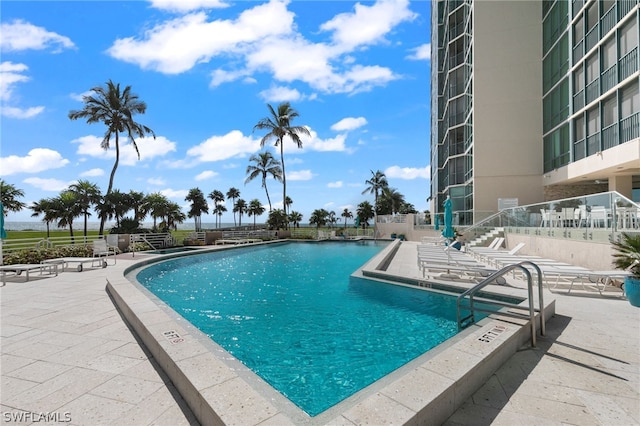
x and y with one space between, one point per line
533 101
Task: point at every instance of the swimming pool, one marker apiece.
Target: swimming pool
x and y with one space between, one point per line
292 314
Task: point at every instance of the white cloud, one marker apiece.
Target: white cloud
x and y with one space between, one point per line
337 184
207 174
156 181
187 5
20 35
175 194
368 24
92 172
49 184
280 94
260 37
37 160
217 148
349 123
178 45
408 173
149 148
14 112
299 175
10 75
420 53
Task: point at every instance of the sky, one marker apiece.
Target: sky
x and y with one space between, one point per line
358 73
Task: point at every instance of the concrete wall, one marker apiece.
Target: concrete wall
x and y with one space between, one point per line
589 254
507 103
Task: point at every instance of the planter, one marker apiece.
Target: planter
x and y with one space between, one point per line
393 236
632 290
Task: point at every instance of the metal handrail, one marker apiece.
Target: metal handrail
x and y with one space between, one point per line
531 308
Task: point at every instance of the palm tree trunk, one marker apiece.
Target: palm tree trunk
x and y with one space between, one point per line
284 183
268 198
103 219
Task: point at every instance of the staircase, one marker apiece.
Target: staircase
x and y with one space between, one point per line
486 238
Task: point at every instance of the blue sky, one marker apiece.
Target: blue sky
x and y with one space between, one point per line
357 72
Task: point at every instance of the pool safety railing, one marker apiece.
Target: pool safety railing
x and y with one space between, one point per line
513 310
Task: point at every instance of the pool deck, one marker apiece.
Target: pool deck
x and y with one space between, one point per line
65 348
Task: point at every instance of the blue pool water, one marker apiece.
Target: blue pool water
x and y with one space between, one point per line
292 314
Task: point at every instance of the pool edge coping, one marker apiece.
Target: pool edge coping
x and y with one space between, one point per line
430 391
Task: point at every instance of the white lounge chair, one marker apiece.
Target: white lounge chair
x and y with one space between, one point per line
102 250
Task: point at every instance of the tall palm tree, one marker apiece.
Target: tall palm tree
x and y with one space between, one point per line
255 209
218 198
233 193
278 125
114 108
198 206
264 165
9 195
241 207
347 215
376 184
87 194
331 218
218 210
45 207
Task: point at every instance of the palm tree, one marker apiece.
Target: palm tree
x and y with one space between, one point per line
115 109
347 215
319 218
198 206
218 198
135 202
278 125
218 210
264 165
277 219
156 204
66 208
241 207
9 195
331 218
376 184
87 194
45 207
365 212
255 209
295 218
233 193
173 215
391 199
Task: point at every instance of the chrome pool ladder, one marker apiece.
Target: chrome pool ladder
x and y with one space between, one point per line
471 294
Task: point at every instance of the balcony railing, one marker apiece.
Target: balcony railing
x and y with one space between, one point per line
592 38
609 78
629 64
593 144
578 52
630 128
578 101
579 151
609 20
610 136
592 91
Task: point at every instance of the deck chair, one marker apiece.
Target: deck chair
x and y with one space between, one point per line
102 250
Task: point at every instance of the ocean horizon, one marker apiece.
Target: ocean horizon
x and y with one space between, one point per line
95 226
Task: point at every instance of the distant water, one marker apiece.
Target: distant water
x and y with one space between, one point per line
95 226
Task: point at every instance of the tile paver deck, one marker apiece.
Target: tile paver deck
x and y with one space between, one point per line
66 349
